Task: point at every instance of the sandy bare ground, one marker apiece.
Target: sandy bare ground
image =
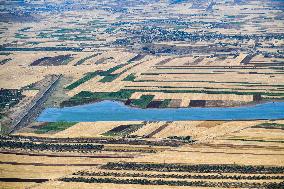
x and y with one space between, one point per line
215 144
90 129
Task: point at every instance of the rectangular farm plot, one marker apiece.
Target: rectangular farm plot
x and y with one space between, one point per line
54 127
143 101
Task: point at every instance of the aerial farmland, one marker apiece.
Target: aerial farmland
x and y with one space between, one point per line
142 94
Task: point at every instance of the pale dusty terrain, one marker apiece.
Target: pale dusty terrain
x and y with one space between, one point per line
88 129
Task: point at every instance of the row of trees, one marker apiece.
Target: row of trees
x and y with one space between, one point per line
270 185
201 168
177 176
130 141
50 147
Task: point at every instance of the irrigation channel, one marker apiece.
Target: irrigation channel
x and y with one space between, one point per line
117 111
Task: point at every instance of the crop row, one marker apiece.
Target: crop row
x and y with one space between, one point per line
202 168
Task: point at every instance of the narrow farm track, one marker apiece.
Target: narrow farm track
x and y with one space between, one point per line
35 108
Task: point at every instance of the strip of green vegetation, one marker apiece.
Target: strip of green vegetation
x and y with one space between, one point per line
109 78
86 97
130 77
91 75
21 36
54 126
143 101
109 71
84 79
85 59
270 125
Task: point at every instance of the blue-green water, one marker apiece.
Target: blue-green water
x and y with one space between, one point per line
116 111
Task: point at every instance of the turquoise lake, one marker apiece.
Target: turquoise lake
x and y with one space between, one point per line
117 111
